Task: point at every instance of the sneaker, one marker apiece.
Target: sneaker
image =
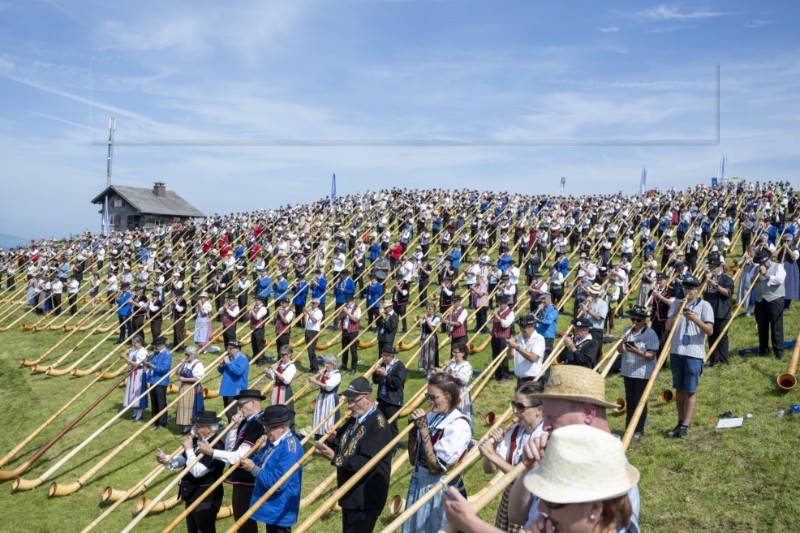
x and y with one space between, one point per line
683 432
637 435
675 432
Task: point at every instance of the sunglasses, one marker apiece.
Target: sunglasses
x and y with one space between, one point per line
242 404
554 506
521 407
637 320
432 397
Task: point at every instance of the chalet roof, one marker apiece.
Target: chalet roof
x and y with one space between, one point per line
145 201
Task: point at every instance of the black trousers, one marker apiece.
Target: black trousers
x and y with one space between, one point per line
359 521
57 304
400 309
178 332
278 529
240 501
352 351
720 354
155 328
137 323
226 401
203 519
73 303
311 344
497 346
660 327
158 401
124 328
229 334
770 315
634 389
389 411
257 341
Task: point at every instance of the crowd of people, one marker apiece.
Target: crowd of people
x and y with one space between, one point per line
487 264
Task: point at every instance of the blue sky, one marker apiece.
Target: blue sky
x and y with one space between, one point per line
254 104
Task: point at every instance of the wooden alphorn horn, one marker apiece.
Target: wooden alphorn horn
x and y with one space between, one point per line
788 380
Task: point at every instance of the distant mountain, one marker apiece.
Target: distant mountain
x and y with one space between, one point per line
12 241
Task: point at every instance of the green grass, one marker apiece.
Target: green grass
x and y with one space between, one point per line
737 480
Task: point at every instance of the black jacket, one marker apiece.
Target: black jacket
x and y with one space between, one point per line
394 381
354 451
387 328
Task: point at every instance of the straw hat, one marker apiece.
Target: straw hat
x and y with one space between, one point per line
576 384
582 464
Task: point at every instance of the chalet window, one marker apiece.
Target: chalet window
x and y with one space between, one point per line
118 203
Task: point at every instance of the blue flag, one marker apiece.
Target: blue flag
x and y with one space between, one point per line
333 189
721 172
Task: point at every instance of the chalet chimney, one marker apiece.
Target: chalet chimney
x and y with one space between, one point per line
160 190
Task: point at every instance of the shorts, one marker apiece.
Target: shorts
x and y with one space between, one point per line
686 372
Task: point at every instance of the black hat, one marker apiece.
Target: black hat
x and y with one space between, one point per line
159 340
639 311
761 256
526 320
275 415
249 393
178 292
155 293
390 350
259 298
581 323
502 298
714 261
690 281
348 297
661 275
206 418
358 387
283 300
235 344
125 285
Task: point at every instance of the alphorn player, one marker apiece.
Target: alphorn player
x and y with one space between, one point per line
573 396
687 353
502 450
281 452
202 475
243 432
357 441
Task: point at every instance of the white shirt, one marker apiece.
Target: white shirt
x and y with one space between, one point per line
524 368
314 325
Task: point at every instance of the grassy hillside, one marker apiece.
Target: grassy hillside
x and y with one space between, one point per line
735 480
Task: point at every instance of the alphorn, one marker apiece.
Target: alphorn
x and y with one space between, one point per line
788 380
6 475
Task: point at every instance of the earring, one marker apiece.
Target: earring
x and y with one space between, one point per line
591 518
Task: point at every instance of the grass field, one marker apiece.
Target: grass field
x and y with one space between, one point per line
718 480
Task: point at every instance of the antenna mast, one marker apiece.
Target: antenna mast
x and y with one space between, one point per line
112 122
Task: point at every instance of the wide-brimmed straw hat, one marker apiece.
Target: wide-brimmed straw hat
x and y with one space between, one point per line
582 464
576 384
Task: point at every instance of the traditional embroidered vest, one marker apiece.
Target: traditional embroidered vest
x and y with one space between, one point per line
461 329
254 323
352 325
281 328
500 332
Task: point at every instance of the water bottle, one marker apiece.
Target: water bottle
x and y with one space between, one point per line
781 413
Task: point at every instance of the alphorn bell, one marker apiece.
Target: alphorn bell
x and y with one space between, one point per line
667 396
397 505
788 380
620 405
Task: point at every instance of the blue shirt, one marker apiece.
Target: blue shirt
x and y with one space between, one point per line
275 460
124 304
159 374
547 324
318 290
264 287
455 258
234 375
374 293
281 288
300 293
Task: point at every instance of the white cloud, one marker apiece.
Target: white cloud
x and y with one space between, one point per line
666 13
609 29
